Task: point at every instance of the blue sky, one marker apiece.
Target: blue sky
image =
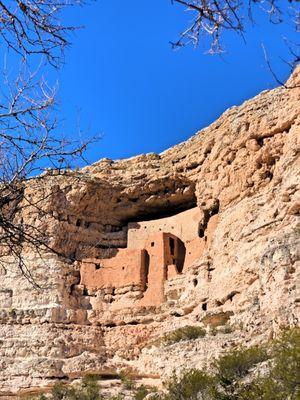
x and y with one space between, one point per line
123 79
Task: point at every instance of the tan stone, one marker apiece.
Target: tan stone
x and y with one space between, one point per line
206 232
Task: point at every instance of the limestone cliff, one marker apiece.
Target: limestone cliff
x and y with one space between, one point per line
203 234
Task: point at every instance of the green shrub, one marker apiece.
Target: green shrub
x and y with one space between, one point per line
141 392
237 363
282 382
61 391
286 369
88 389
260 389
184 333
226 329
192 385
128 383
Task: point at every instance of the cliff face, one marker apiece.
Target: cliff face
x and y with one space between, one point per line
203 234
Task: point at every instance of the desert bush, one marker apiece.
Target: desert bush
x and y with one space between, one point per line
61 391
88 389
184 333
282 381
231 380
286 369
193 385
236 364
226 329
141 392
128 383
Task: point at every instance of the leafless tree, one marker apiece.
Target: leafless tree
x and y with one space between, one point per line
29 136
211 18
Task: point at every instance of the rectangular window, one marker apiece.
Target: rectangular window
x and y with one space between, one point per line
172 246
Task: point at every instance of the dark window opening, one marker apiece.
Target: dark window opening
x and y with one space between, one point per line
172 246
204 306
195 282
146 269
97 266
180 256
152 244
201 232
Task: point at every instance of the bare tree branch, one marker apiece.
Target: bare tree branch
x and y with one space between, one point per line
30 139
212 17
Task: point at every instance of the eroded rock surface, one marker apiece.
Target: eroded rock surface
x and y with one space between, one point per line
204 234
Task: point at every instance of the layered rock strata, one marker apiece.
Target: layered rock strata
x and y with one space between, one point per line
205 233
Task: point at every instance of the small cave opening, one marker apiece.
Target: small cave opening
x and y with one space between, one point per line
110 325
165 206
204 306
72 289
260 141
214 210
133 323
195 282
176 314
231 296
268 174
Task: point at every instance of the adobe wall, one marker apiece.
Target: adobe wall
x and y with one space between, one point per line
183 225
126 268
161 255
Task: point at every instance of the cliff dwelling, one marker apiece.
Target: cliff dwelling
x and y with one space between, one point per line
157 251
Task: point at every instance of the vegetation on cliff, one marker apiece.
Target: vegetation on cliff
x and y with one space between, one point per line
268 372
